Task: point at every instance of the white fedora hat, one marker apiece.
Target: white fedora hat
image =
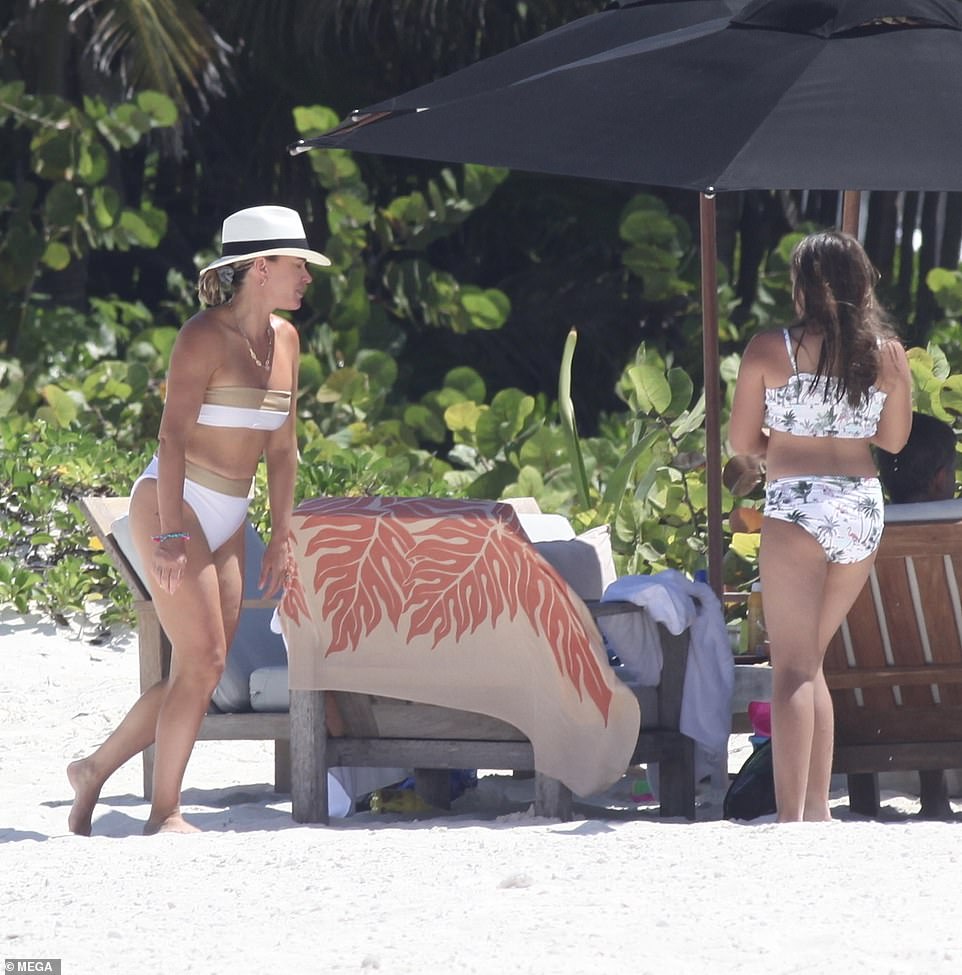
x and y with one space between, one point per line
262 232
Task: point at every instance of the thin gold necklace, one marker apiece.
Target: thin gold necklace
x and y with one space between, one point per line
269 358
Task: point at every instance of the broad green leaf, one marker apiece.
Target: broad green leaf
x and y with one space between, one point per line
746 545
502 423
380 368
530 483
492 483
466 381
310 374
62 407
682 389
161 109
92 163
56 256
352 308
335 168
651 388
347 208
63 205
692 421
618 480
488 309
311 120
53 154
347 384
138 229
138 379
940 363
426 422
106 206
463 416
951 397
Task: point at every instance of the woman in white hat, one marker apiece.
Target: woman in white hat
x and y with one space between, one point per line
231 387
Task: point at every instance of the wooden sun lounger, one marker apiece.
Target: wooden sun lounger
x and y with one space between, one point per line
895 666
327 729
337 728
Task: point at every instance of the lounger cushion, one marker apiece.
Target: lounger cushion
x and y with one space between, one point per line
269 689
584 562
120 529
542 527
254 644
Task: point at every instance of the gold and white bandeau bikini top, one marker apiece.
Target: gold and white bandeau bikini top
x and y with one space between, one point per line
245 407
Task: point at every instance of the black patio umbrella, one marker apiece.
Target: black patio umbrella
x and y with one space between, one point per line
712 96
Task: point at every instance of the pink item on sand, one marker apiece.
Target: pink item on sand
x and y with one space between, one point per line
760 715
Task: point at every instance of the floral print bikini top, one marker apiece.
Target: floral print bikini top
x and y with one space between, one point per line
808 410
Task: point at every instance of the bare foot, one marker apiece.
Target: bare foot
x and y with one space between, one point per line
86 786
174 823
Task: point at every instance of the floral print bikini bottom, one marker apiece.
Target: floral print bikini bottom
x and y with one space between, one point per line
843 514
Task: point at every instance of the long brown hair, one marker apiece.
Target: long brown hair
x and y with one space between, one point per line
834 289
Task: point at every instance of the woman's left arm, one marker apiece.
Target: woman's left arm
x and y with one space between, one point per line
281 457
895 379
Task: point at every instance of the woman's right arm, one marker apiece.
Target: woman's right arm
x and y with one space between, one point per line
895 379
745 429
191 365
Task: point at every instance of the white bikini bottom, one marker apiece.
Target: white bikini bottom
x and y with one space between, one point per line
220 503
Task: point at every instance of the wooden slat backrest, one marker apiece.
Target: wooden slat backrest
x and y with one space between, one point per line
101 513
895 666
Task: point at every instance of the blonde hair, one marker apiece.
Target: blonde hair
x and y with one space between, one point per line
219 284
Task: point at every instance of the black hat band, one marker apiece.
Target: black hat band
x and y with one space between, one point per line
241 247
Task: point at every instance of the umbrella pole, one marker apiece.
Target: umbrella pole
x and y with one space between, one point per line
709 319
851 200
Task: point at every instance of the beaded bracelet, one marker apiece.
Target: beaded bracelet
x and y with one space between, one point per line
167 536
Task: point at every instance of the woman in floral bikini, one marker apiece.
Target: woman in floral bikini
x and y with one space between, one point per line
811 400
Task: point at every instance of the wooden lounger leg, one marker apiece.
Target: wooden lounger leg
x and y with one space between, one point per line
863 797
308 757
934 794
676 778
551 798
282 765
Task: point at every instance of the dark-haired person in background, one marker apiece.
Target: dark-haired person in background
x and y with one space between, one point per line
924 469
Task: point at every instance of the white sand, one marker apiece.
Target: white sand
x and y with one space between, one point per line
489 889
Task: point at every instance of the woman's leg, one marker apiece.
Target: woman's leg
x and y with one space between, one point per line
199 618
843 583
806 599
793 570
88 775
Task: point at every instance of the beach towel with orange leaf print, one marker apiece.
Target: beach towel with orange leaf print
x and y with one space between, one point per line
446 602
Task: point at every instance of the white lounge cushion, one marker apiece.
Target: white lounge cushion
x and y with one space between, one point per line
585 562
544 528
269 690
